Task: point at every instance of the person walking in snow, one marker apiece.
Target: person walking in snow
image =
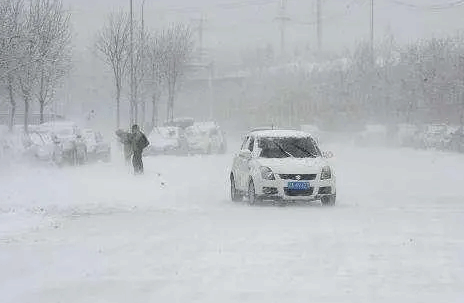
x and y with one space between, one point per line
138 142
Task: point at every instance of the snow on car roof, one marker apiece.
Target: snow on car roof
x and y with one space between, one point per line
207 124
164 131
60 124
281 133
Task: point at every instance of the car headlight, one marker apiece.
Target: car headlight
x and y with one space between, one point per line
266 173
326 173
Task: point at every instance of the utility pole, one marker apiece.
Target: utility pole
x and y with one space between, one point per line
372 31
319 25
200 36
211 90
132 101
283 19
200 29
142 66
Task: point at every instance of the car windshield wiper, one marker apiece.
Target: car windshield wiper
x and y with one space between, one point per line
282 149
311 155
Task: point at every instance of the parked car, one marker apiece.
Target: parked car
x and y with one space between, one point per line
406 134
432 136
181 122
69 137
40 146
372 135
456 140
12 146
205 138
282 165
166 140
97 148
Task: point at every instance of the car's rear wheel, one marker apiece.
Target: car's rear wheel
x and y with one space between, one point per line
329 200
252 197
235 195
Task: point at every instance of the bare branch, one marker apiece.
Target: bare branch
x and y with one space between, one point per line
177 45
113 46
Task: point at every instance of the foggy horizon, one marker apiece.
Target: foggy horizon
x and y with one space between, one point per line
232 25
169 168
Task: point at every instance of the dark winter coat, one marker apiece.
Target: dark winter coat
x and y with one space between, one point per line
139 142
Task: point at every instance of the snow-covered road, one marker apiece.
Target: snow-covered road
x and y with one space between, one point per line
97 234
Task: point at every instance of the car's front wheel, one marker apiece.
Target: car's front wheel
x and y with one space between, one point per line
329 200
235 194
252 197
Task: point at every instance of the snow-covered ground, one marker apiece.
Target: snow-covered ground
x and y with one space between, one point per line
98 234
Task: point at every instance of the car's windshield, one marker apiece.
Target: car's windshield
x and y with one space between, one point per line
288 147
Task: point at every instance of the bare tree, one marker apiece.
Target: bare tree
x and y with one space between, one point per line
179 46
157 72
141 68
54 38
113 44
11 24
29 57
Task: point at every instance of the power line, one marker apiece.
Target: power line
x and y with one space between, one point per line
245 3
431 7
337 16
225 6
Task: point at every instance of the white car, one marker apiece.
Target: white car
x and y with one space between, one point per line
282 165
205 138
372 135
165 140
69 137
97 148
313 130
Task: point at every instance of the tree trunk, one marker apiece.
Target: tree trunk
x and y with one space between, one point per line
136 111
170 107
118 106
170 113
41 110
143 105
26 114
131 110
42 97
11 120
154 113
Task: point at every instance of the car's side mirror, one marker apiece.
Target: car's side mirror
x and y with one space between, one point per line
245 153
327 154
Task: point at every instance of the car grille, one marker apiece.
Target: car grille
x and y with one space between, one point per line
298 193
294 176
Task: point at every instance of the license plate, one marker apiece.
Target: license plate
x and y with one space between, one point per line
298 185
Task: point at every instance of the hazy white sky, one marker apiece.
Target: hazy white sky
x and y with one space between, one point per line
237 24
